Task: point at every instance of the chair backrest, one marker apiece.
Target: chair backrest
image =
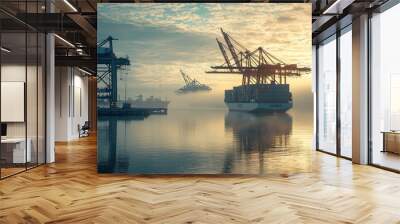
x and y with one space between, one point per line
86 125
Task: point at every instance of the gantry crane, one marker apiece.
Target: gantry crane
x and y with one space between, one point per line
191 85
257 67
186 78
108 65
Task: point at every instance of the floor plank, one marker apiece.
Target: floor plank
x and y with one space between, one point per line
71 191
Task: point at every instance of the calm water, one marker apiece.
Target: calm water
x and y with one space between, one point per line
205 142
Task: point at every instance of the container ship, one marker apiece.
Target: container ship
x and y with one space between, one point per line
152 103
259 98
264 87
136 107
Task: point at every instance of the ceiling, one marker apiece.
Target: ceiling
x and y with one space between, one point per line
331 15
74 22
203 1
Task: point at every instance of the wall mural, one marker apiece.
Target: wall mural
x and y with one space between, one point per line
204 88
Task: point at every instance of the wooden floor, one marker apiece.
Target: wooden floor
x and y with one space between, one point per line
8 171
387 159
70 191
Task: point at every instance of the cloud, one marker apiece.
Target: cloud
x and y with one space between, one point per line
162 38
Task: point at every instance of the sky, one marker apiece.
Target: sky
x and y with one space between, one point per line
161 39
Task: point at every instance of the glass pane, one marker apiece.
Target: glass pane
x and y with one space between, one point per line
41 99
327 96
346 94
31 98
13 86
32 88
386 89
22 79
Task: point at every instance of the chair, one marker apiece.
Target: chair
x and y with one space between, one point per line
84 130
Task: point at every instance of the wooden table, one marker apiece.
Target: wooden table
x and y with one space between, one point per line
391 141
13 150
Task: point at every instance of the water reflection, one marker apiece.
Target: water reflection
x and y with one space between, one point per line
259 132
107 144
201 142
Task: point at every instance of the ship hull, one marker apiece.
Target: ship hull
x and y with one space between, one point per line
259 107
123 112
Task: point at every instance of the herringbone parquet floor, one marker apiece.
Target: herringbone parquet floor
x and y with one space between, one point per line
70 191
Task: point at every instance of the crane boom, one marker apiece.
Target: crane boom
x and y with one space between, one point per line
109 40
231 48
257 66
222 48
186 78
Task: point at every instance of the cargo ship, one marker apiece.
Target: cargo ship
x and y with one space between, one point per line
259 98
153 104
136 107
123 111
150 102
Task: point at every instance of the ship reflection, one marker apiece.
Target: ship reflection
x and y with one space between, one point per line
109 158
256 135
259 132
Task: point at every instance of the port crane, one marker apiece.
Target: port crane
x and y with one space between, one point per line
108 65
257 66
191 85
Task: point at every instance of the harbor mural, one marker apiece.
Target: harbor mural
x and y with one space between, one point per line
204 88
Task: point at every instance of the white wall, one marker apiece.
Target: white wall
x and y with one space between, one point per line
80 110
71 94
13 72
33 126
16 73
62 81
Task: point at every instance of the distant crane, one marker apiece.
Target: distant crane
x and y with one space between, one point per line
191 85
107 67
257 67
